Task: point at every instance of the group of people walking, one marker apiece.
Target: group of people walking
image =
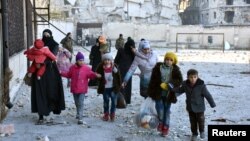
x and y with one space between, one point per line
161 81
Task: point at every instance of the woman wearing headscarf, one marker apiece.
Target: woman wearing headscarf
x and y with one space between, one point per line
124 58
47 94
95 58
145 59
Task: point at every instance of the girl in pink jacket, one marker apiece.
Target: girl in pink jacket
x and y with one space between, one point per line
79 75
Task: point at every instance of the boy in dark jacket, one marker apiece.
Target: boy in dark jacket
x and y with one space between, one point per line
196 91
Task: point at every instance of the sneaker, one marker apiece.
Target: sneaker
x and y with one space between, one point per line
105 117
194 138
164 131
159 127
112 116
80 121
40 122
202 135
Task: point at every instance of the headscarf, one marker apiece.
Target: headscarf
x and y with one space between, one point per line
49 41
127 47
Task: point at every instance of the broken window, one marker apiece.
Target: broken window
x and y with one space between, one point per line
230 2
66 14
210 39
247 1
229 16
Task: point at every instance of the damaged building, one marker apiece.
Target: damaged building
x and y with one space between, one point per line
215 12
105 11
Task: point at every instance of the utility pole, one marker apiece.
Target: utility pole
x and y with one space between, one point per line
127 10
35 18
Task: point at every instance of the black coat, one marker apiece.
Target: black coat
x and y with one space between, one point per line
154 89
95 57
124 61
47 93
101 81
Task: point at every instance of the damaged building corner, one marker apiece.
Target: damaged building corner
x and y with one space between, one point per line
215 12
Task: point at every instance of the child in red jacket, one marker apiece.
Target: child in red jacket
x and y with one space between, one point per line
79 74
38 54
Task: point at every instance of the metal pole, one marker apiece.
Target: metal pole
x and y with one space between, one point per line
28 24
176 43
127 10
5 34
223 44
7 73
35 18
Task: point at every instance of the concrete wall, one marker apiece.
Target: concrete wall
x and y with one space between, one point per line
165 35
18 65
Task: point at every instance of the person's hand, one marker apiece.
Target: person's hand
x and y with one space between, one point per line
60 72
115 70
38 66
98 75
124 84
133 49
138 74
29 74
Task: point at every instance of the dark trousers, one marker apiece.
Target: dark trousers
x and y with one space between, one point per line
197 121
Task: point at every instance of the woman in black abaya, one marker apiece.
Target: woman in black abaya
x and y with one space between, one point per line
47 94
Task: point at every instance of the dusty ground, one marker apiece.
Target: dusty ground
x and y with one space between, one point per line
227 76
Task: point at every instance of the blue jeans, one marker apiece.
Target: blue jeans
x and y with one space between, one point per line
79 99
109 94
163 111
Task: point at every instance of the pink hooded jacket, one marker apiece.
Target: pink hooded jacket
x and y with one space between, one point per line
79 76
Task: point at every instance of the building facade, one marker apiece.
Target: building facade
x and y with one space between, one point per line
216 12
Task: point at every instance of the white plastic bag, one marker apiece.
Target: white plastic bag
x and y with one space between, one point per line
147 117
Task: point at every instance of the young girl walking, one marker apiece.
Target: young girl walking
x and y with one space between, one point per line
79 74
109 85
163 75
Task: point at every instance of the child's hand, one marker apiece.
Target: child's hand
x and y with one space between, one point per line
98 75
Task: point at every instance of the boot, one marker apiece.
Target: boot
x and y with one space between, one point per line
165 131
112 116
159 127
105 117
